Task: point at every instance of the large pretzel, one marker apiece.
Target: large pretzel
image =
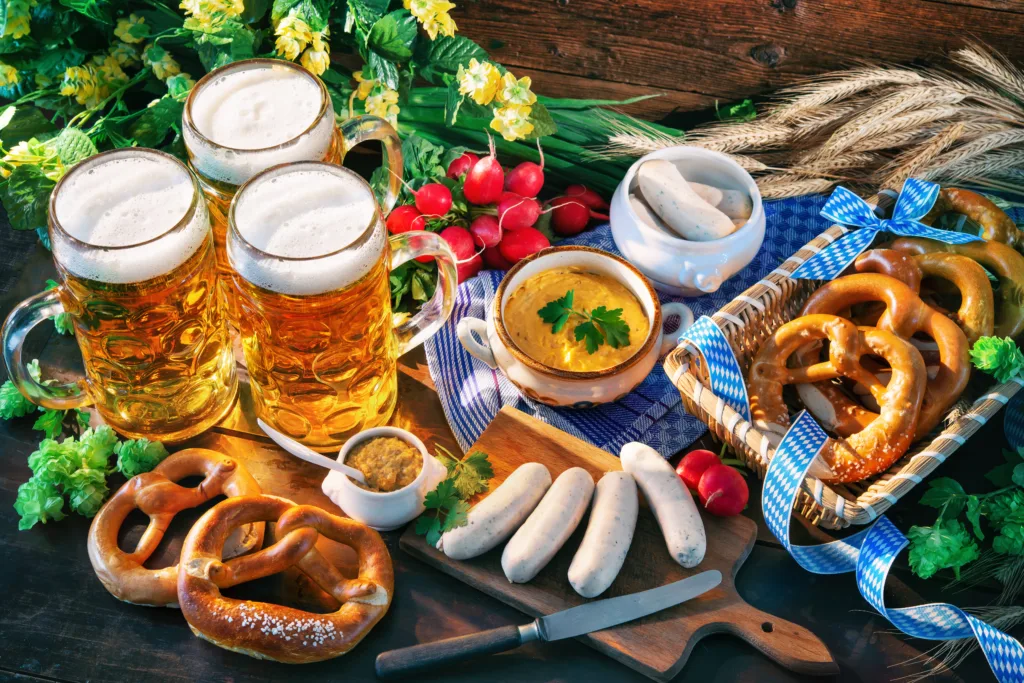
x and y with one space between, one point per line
882 441
996 226
269 631
1005 263
157 495
905 315
976 315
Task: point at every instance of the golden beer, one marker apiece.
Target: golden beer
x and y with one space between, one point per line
311 259
247 116
133 248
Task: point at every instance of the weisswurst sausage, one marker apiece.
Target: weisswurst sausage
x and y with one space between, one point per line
670 500
609 533
667 192
493 519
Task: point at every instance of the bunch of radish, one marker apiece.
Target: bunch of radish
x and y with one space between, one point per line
722 489
504 215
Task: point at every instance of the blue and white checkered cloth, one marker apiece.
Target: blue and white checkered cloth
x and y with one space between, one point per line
472 394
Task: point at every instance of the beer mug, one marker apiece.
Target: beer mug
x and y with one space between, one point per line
131 240
311 260
248 116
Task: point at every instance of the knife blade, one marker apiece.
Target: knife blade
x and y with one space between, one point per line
570 623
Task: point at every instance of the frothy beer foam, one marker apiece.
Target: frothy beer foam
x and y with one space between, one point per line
308 211
123 199
251 109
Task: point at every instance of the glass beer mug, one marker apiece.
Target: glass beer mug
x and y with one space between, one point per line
131 240
311 260
247 116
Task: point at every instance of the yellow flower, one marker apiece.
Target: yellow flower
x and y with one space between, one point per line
384 104
18 17
161 61
512 122
513 92
433 14
480 81
365 85
209 13
318 57
131 30
8 75
440 23
31 152
80 82
293 35
125 54
109 72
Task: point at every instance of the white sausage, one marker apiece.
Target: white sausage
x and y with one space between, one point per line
736 205
647 216
549 526
712 195
672 198
671 502
493 519
609 533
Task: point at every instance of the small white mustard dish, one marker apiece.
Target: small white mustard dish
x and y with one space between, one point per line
490 342
393 509
674 265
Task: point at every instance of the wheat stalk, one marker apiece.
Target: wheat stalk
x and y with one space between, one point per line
838 86
737 137
792 185
993 67
984 166
910 162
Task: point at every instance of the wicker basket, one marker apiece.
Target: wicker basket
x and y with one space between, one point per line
747 321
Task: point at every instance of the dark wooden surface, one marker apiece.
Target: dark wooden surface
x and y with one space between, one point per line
58 623
695 52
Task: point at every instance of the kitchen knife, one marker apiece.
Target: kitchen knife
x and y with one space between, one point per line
570 623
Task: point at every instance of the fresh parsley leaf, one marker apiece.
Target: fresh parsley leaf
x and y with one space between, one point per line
138 456
599 325
50 423
38 501
616 331
466 478
947 545
442 497
429 527
588 331
456 517
62 321
1001 358
556 313
471 475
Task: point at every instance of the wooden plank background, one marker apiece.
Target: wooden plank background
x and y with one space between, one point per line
695 52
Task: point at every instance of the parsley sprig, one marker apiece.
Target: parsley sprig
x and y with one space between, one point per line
599 325
466 478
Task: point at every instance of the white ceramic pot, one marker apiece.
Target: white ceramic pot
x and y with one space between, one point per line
678 266
384 511
490 342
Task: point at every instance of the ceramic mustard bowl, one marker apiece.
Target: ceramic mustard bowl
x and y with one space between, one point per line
675 265
384 510
490 342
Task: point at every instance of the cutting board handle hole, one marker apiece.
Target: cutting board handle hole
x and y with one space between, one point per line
767 627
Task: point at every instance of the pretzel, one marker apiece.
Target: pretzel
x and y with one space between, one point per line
996 226
1002 261
976 315
156 494
905 315
881 441
269 631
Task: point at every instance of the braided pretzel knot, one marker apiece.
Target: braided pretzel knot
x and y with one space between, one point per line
156 494
905 315
1005 263
276 632
976 315
996 226
874 448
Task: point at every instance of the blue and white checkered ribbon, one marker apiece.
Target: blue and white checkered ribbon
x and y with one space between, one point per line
870 553
1013 423
723 369
844 207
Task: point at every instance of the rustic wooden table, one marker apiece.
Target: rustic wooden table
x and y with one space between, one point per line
57 622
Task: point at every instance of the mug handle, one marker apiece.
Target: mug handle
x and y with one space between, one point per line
685 320
405 247
359 129
20 322
481 350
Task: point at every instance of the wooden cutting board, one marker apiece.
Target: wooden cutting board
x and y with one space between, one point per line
659 645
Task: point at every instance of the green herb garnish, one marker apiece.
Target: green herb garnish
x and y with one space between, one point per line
466 478
599 325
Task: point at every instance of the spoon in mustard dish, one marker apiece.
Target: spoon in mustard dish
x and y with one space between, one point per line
308 454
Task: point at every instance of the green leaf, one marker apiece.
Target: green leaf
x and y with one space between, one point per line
422 159
614 328
556 312
367 11
386 40
229 41
13 403
974 516
138 456
25 196
472 474
73 145
1018 475
54 63
38 501
254 11
457 516
444 496
280 8
740 111
542 122
28 122
50 423
152 127
429 526
588 331
98 10
445 55
947 545
383 70
452 104
941 491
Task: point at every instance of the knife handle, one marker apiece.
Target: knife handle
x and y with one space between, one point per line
418 658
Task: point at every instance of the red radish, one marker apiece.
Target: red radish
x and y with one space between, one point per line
494 259
405 218
515 212
527 179
569 216
590 198
468 262
433 199
517 245
460 167
485 180
694 464
486 231
723 491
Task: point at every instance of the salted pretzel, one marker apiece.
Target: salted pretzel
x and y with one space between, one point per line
157 495
996 226
884 439
976 315
276 632
905 315
1002 261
